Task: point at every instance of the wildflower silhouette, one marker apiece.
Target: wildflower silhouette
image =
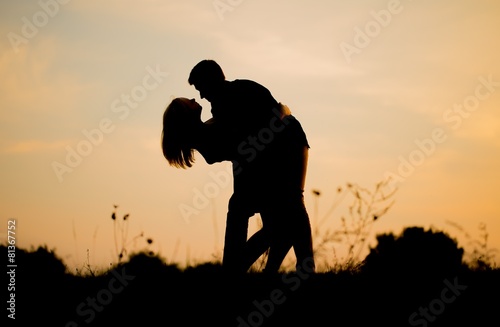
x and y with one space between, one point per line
120 233
366 208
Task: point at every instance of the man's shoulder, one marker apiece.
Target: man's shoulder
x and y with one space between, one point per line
242 82
248 87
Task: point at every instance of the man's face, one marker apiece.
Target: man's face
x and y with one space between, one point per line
206 90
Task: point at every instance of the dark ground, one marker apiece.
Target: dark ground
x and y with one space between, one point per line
147 292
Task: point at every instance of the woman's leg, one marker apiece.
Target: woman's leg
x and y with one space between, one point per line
236 234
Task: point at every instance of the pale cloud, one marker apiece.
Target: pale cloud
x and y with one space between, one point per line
270 54
484 128
173 15
426 65
32 146
28 85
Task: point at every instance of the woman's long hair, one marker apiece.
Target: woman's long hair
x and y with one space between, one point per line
175 136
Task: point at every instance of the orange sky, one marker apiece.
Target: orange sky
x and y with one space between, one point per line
408 89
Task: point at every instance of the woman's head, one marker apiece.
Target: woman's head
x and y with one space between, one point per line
181 122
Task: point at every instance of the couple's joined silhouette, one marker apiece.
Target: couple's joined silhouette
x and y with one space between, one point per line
268 150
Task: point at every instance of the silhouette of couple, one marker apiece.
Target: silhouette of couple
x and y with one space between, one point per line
268 150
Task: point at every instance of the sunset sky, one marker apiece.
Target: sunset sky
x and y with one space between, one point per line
407 89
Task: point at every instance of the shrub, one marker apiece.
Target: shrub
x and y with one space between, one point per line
415 252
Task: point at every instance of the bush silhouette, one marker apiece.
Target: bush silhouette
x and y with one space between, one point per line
146 264
43 261
144 289
415 252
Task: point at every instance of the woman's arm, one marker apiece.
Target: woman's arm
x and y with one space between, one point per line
213 145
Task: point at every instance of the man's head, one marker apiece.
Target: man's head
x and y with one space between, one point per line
207 77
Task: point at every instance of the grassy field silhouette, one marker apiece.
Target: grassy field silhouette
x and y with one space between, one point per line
420 277
417 278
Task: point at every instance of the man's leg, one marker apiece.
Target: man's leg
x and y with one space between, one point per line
256 246
303 243
289 218
280 236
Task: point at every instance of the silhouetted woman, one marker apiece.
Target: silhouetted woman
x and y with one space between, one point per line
273 184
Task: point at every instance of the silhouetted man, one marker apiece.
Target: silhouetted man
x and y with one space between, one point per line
256 127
